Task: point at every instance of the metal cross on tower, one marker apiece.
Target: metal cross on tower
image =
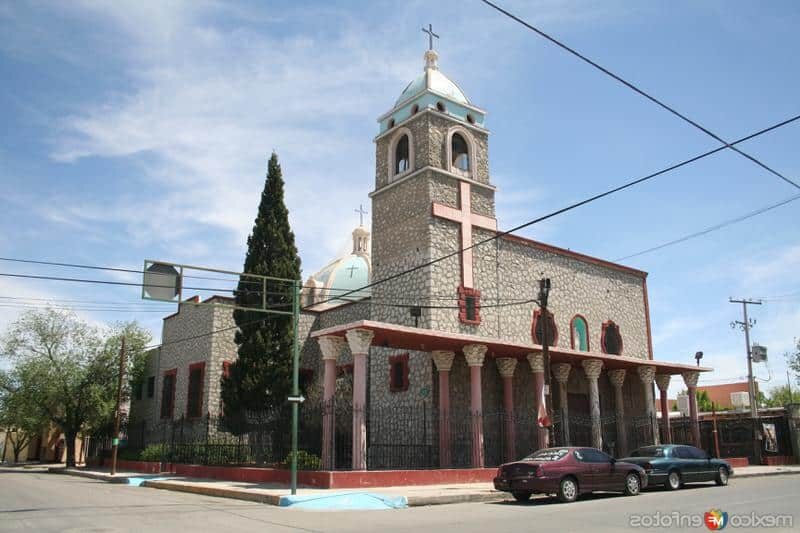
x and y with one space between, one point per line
431 35
361 212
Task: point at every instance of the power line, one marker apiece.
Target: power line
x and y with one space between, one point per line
570 207
640 92
106 282
75 308
150 303
713 228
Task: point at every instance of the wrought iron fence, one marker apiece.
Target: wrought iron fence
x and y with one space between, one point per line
406 436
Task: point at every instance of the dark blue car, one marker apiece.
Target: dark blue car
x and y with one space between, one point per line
675 464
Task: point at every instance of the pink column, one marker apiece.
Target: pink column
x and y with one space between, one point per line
617 379
359 341
662 380
647 374
506 366
690 378
561 375
536 361
444 363
474 354
331 347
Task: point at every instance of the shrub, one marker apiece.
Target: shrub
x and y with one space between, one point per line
154 453
305 461
129 454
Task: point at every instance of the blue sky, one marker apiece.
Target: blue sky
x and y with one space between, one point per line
142 129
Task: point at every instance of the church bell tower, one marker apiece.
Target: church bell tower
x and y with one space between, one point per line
432 197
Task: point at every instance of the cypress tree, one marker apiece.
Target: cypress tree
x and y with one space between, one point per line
261 377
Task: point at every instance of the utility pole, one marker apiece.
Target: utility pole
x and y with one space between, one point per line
115 438
544 293
745 325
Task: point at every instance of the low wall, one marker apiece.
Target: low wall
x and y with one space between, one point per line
324 479
777 460
737 462
328 479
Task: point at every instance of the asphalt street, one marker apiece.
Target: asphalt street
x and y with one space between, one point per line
36 501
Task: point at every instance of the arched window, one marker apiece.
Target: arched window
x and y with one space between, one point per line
537 329
459 152
611 339
580 334
401 155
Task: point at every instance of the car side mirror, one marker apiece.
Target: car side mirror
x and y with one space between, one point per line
612 461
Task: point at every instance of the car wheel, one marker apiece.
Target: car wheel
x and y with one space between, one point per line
568 490
521 496
722 476
632 485
673 481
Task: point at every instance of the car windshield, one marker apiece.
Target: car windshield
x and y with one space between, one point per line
550 454
650 451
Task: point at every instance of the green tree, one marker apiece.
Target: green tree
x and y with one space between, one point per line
69 369
20 416
261 377
781 396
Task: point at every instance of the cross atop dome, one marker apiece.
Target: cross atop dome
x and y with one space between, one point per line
431 35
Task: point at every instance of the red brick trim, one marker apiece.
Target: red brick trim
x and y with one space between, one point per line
174 374
647 319
393 360
463 293
574 255
193 366
226 369
552 336
572 333
603 338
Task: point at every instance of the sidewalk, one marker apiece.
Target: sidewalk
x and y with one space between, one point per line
272 494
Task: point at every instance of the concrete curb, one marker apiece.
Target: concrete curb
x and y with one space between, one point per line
764 474
274 499
99 476
219 492
423 501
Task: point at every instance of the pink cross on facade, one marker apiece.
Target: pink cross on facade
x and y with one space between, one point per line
467 219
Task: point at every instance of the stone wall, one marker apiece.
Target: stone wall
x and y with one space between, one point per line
179 350
510 269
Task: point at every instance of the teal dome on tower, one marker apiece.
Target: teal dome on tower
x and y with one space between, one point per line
432 90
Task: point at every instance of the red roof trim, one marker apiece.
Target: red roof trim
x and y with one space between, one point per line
574 255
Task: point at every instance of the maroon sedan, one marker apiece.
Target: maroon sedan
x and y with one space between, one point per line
569 472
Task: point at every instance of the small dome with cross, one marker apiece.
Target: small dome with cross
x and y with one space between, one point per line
342 275
432 79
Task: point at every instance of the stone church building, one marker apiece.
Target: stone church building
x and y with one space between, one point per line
444 363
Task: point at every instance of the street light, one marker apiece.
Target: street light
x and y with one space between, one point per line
698 356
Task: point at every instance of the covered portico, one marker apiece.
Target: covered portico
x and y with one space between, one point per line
508 356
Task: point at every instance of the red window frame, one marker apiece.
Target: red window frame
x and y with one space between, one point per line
553 335
344 370
174 374
202 367
606 324
463 294
395 361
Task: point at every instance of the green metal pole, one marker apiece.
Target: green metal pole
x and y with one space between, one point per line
295 378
